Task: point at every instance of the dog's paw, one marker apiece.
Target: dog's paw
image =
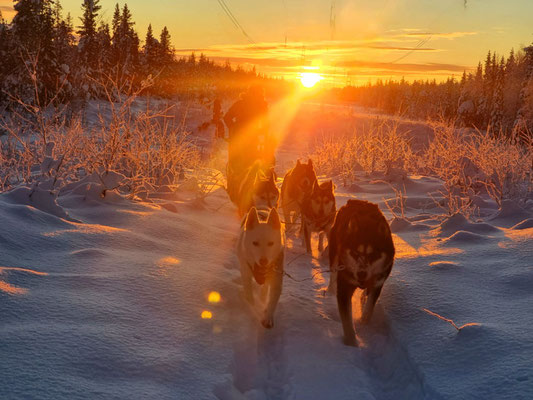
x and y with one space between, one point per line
350 341
267 322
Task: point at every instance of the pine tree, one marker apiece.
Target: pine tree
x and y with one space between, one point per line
64 52
497 104
150 53
524 119
88 43
26 24
165 48
115 38
128 45
104 44
35 58
6 62
478 96
485 105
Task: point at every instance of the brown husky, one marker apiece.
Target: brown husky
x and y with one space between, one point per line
258 188
361 254
297 185
318 213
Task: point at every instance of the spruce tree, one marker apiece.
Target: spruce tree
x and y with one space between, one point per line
115 38
498 99
150 53
524 119
103 36
88 48
35 58
165 48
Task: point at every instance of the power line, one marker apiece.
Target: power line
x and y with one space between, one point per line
427 38
332 19
234 20
418 46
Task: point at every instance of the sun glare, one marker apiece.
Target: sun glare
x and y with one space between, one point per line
310 79
214 297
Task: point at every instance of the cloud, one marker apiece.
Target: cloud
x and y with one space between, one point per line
412 67
370 56
353 66
445 35
297 48
413 33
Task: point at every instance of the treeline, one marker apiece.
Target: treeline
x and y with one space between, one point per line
45 57
499 95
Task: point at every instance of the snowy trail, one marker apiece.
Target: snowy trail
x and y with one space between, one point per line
118 314
111 307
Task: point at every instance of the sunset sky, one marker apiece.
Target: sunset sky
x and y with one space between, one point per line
367 40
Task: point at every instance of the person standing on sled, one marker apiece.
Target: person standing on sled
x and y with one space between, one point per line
247 122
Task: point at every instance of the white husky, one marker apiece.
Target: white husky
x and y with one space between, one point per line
260 249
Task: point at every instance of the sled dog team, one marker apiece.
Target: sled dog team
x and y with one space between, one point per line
361 251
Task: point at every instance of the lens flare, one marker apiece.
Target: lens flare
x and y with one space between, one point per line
207 314
214 297
310 79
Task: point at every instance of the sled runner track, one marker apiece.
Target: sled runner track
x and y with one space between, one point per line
259 368
261 365
389 372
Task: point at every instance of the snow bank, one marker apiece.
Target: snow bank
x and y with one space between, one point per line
509 214
41 199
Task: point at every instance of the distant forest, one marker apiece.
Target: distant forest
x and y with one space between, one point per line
498 96
46 56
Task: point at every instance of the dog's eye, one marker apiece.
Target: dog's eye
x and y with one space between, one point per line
270 244
255 243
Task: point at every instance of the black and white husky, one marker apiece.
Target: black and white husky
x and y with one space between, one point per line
361 254
260 250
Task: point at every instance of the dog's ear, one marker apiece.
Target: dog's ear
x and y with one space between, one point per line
329 185
298 162
252 220
315 187
310 163
273 219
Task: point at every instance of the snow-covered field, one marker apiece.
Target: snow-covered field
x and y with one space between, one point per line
118 305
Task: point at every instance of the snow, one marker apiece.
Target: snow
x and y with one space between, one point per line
103 297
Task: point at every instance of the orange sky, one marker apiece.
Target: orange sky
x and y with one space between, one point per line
350 41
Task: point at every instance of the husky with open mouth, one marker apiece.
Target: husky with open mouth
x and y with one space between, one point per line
260 249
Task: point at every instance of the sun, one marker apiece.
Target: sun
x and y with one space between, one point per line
310 79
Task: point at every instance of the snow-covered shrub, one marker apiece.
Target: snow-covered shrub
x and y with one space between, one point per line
381 147
142 147
505 165
469 162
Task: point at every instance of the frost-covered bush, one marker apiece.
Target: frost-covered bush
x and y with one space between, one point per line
506 166
381 147
139 146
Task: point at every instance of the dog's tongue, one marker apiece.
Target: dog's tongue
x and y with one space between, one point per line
259 273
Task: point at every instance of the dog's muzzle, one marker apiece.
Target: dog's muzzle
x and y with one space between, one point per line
259 271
